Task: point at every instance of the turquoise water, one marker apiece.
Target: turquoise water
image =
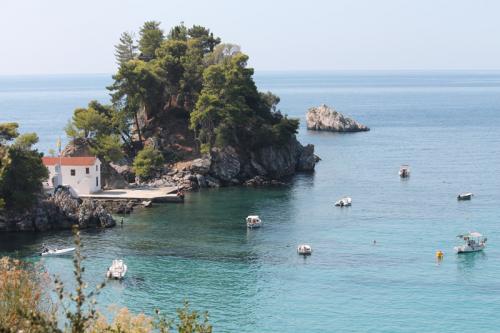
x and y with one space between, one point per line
446 125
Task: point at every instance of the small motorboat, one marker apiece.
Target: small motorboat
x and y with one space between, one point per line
344 202
56 252
117 270
473 242
147 203
404 171
304 249
253 221
464 196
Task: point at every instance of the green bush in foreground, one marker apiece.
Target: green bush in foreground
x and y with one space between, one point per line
25 306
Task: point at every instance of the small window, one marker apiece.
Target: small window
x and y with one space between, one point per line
97 181
87 170
73 172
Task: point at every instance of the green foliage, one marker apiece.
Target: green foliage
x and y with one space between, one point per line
109 147
230 110
21 169
25 141
21 179
147 161
205 148
221 53
137 84
178 32
205 38
89 123
101 128
151 37
126 49
8 132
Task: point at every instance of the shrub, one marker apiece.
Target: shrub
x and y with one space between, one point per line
147 162
22 296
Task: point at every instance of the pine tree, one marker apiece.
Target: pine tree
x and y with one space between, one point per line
125 50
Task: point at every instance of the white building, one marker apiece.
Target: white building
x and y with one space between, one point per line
82 174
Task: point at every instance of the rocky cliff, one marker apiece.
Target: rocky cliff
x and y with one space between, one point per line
269 165
324 118
59 211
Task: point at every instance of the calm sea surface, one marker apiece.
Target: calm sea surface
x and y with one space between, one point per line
446 125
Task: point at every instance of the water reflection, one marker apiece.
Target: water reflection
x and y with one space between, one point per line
466 262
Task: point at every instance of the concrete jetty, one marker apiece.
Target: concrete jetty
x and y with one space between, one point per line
154 194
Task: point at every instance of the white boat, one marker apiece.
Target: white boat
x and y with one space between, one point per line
464 196
304 249
253 221
56 252
473 242
117 270
344 202
404 171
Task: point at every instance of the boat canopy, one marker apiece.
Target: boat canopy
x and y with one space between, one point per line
252 216
473 234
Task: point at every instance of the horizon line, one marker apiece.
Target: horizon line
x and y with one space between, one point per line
281 71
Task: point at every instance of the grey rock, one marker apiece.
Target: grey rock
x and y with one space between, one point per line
202 182
225 163
324 118
285 160
201 165
212 182
307 160
59 211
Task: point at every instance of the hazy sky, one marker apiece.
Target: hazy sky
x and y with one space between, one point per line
66 36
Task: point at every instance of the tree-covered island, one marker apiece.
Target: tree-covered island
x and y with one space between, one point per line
186 96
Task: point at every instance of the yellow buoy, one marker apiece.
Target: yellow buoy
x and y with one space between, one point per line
439 254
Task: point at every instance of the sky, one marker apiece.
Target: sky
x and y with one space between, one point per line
68 37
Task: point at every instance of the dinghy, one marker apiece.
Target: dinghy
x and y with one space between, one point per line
56 252
464 196
344 202
117 270
304 250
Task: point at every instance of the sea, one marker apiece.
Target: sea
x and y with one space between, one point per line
373 266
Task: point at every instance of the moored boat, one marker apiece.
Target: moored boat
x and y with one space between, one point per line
465 196
304 249
117 270
56 252
344 202
253 221
473 242
404 171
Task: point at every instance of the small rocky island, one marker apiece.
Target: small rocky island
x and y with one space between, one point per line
324 118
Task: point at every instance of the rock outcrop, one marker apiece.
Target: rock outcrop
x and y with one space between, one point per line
324 118
227 166
59 211
225 163
77 148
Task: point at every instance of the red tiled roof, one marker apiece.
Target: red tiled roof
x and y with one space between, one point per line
69 160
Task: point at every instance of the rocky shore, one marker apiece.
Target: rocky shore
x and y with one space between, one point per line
228 167
56 212
324 118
